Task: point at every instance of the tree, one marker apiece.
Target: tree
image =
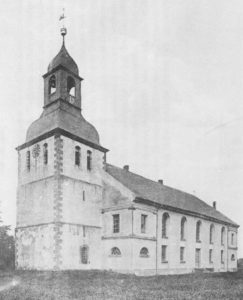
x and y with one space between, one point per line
7 248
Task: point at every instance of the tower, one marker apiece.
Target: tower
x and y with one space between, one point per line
59 178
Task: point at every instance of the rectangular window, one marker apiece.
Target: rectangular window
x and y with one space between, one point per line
28 160
143 223
116 223
222 256
211 256
84 231
164 254
232 238
83 195
182 254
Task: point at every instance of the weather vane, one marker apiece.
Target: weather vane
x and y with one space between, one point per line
63 29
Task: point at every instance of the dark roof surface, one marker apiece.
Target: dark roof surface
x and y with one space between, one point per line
161 194
61 116
63 58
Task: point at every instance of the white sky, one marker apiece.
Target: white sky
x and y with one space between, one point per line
163 86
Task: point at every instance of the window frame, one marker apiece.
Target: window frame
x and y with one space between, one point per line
118 252
84 254
198 231
183 228
144 252
89 160
143 223
45 154
165 225
182 254
116 223
164 254
77 156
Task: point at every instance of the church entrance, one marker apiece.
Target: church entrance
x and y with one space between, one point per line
198 258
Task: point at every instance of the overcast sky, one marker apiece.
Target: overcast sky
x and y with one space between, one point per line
163 85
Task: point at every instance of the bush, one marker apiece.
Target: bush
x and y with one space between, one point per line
7 249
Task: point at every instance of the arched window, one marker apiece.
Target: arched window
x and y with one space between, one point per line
222 235
28 160
84 254
165 225
232 257
89 160
211 234
183 228
52 85
45 154
198 231
71 86
144 252
115 251
77 156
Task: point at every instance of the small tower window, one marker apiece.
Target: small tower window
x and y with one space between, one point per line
45 153
28 160
71 86
89 160
77 156
83 195
52 85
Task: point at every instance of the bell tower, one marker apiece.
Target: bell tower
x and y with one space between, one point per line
62 79
60 188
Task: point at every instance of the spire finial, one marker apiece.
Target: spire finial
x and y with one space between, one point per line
63 28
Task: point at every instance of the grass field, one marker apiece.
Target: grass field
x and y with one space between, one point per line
109 285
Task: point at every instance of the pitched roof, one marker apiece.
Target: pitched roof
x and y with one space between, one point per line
159 194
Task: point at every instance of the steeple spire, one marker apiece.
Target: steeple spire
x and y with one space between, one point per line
63 28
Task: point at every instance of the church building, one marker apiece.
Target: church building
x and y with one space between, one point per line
76 211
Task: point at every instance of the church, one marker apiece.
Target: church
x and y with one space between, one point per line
75 211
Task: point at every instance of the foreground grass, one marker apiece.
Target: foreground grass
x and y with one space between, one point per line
31 285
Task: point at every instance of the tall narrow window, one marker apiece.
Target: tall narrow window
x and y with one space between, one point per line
232 238
84 231
182 254
28 160
164 254
116 223
222 256
89 160
222 235
210 256
198 231
143 223
84 254
77 156
211 234
71 86
52 85
183 225
83 195
45 153
165 225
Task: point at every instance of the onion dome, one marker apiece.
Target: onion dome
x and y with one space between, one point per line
63 59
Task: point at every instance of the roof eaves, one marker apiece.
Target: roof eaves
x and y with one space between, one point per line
184 211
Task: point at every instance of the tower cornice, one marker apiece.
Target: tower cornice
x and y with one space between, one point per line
60 131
